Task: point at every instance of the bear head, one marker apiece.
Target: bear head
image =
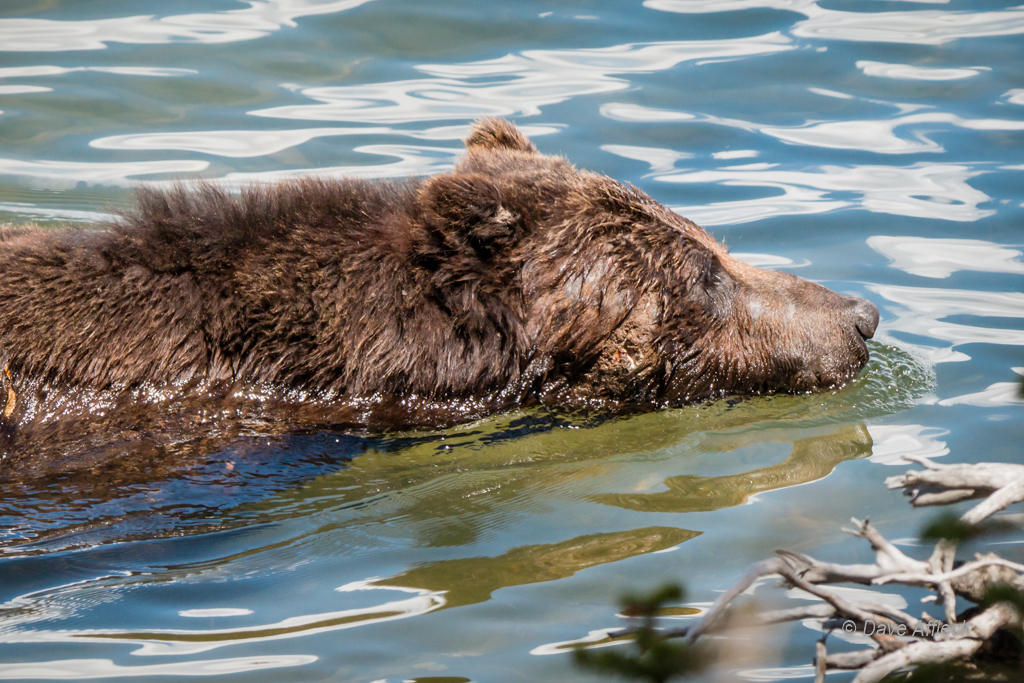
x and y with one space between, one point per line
606 295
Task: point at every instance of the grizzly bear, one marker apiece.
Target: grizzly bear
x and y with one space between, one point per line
513 280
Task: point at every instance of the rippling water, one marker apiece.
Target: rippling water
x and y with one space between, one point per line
873 146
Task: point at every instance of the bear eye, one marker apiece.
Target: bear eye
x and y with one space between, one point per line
711 273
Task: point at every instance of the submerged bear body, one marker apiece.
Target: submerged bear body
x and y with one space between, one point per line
516 279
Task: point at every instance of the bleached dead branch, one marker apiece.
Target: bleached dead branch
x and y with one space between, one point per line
902 640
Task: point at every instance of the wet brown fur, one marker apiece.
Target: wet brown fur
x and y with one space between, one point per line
515 279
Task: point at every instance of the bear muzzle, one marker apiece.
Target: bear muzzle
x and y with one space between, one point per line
865 317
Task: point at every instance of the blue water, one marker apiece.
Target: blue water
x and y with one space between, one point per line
873 146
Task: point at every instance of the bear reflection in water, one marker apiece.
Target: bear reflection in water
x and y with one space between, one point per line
514 280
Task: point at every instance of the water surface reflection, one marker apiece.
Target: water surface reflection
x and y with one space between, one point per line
256 21
914 27
812 458
514 84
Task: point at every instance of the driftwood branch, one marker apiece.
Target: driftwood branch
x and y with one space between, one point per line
1001 484
903 640
981 628
1001 499
940 562
756 571
965 570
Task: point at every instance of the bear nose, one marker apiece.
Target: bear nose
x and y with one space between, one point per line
865 317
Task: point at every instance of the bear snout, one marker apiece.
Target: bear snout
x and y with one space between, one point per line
865 317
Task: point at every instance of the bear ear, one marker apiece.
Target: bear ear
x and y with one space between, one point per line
492 133
466 209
